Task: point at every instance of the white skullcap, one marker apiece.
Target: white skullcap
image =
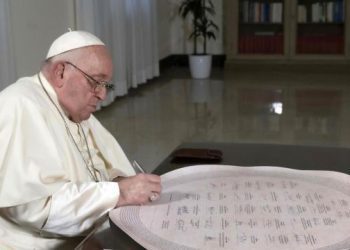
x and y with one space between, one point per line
72 40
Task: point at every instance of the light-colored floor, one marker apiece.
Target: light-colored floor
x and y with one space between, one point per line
285 104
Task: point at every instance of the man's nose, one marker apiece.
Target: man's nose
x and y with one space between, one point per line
101 94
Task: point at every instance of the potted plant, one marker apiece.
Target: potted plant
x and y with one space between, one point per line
203 29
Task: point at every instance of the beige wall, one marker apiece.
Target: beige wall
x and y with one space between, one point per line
35 24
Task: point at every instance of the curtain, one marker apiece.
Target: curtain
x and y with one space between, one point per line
7 62
129 29
142 37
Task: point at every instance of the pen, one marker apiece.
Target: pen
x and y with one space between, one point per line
138 168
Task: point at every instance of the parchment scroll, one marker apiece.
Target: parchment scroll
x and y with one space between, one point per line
245 208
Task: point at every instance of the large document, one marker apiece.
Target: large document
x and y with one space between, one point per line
243 208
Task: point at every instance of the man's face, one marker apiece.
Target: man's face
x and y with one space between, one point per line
80 93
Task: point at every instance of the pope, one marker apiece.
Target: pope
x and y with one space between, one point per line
61 171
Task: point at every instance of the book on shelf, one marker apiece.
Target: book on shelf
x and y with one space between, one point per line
245 11
322 12
315 12
302 14
339 11
330 11
253 11
261 43
320 44
276 12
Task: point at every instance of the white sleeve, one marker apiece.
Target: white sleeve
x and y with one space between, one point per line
71 211
76 207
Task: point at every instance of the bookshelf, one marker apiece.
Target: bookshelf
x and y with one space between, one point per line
286 29
260 29
320 27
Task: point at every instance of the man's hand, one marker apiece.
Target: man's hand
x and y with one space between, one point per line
138 189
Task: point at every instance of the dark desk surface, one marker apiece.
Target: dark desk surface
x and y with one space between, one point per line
239 154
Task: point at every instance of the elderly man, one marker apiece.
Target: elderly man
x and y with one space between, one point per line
58 164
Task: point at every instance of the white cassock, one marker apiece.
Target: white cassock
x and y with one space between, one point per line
47 194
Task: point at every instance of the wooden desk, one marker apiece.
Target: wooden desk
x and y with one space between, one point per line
239 154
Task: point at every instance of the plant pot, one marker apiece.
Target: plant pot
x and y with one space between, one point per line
200 66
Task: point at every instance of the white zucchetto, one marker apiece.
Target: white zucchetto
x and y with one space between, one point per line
72 40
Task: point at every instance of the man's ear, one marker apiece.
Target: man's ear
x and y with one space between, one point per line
58 74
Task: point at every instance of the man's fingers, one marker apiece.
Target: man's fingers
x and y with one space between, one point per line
139 189
150 177
153 187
